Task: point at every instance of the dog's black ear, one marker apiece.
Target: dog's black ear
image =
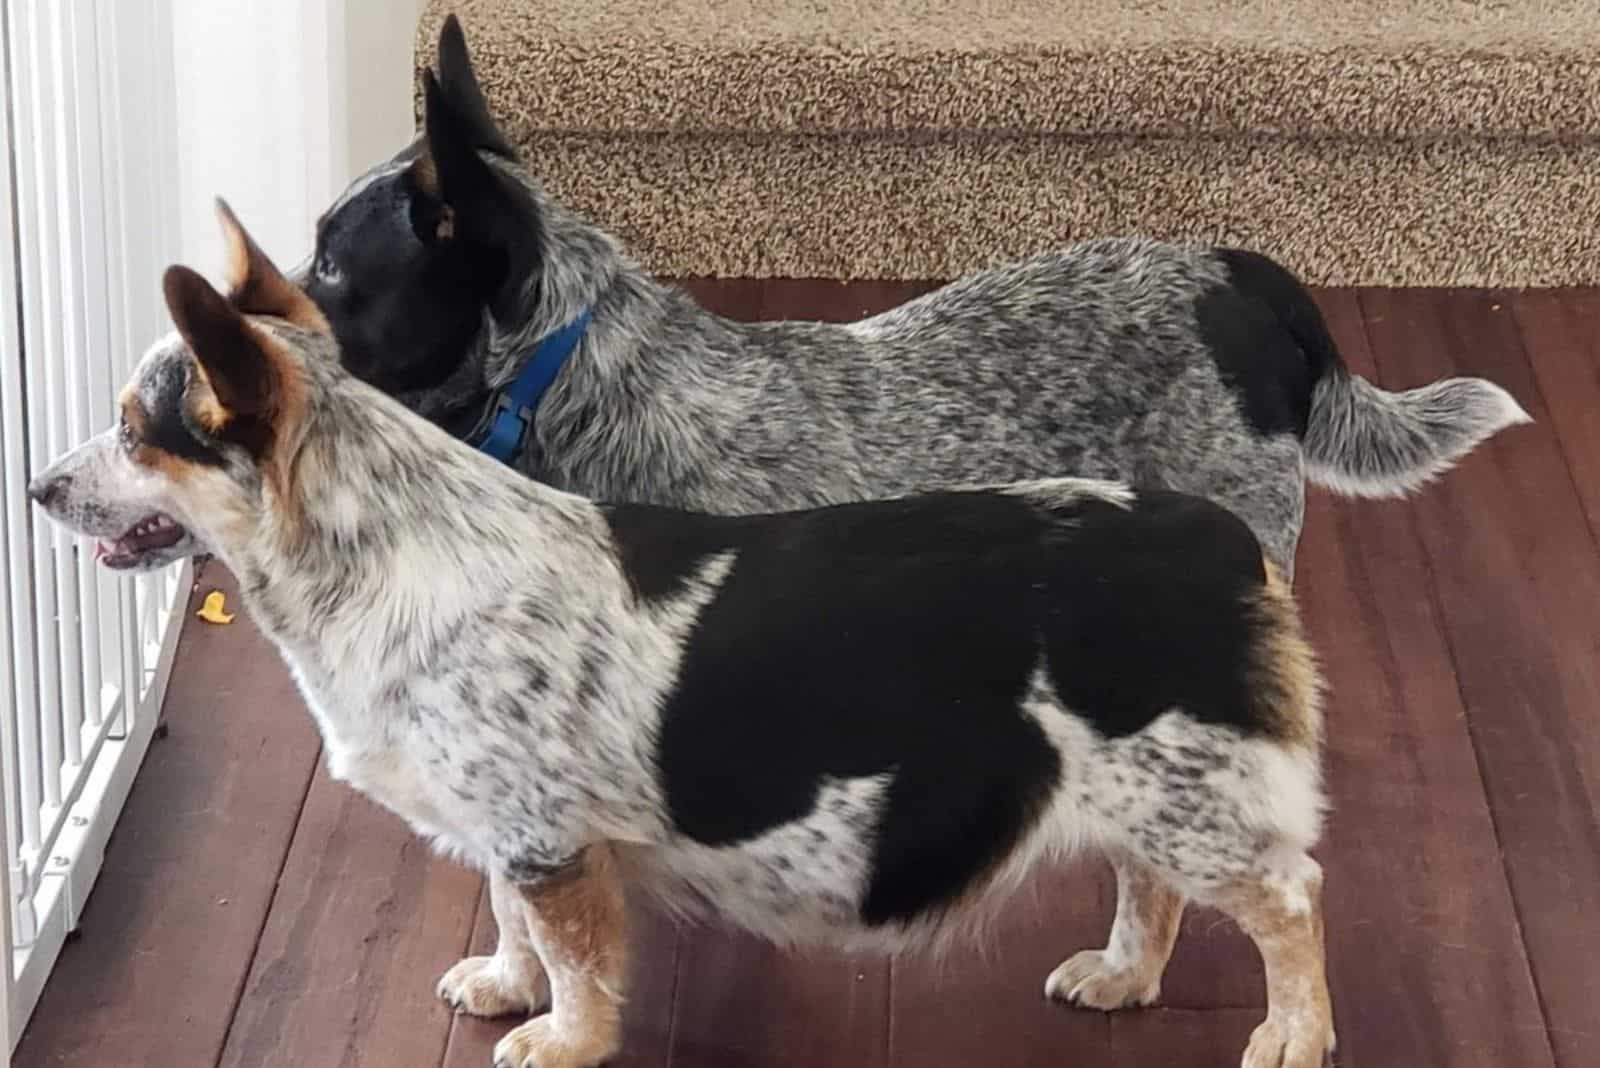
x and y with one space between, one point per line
233 355
460 84
462 197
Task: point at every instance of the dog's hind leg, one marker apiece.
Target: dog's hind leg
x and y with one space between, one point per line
512 980
577 923
1281 911
1128 971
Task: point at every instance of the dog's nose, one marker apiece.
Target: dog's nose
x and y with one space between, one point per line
44 490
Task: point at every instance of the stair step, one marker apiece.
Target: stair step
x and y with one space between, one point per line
1358 68
1409 142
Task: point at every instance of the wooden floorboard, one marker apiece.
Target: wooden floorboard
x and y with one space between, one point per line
1517 579
1561 334
1462 856
830 301
1425 960
982 1004
1182 1038
365 919
168 934
732 298
744 1002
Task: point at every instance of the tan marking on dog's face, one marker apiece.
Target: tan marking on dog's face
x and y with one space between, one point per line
206 489
132 411
136 420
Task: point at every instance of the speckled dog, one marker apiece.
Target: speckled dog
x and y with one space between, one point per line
866 721
1203 370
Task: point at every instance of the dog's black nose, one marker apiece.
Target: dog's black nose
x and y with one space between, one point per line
43 490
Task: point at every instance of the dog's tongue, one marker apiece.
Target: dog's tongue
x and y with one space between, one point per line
142 539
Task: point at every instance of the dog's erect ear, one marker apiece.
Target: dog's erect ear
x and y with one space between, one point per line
463 197
256 286
460 84
232 354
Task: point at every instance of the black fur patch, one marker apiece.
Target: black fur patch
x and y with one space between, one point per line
1269 341
404 275
166 420
661 547
899 637
460 83
405 310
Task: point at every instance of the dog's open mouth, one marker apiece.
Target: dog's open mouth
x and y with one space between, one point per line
148 535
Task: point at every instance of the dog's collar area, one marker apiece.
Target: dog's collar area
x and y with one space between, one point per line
507 422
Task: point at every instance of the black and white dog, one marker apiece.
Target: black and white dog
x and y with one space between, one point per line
454 284
865 721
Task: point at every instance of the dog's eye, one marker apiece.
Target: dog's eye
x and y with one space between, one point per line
327 271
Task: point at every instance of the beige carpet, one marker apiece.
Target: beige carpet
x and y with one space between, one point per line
1414 142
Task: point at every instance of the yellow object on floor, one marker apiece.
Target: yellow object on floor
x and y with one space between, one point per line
211 609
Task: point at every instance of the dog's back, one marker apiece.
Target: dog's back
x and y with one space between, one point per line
1203 370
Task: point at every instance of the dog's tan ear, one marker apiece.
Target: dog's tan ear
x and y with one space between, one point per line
256 286
234 356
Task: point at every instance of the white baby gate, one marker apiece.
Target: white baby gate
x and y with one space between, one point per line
87 223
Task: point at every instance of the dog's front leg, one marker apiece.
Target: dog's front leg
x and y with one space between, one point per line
576 921
512 980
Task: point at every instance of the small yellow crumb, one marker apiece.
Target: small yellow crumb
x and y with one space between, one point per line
211 609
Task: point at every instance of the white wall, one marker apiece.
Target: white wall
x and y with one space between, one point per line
379 36
280 103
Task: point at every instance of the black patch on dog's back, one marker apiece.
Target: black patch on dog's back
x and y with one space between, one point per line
899 638
659 548
1154 615
1269 340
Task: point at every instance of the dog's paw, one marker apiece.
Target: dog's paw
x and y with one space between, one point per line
1088 981
541 1044
477 987
1303 1043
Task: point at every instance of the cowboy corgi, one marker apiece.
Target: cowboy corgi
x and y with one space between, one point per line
864 722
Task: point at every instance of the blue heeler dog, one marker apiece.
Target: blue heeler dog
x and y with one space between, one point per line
452 282
864 721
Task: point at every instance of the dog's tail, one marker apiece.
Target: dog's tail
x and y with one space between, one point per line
1361 440
1364 441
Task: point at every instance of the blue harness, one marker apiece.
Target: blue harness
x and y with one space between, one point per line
504 430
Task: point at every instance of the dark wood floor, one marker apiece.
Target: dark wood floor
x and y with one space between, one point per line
252 912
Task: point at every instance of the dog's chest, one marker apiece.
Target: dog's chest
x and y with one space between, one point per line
379 751
392 777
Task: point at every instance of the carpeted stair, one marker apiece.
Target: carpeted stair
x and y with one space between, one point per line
1408 142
